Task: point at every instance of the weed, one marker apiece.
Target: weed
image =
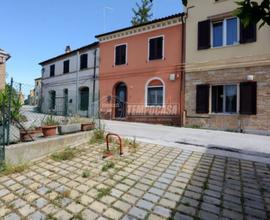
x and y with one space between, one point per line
131 144
7 169
86 174
103 192
66 154
193 126
205 185
98 136
50 217
77 217
107 166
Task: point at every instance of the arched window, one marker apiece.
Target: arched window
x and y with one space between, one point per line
84 98
155 92
52 96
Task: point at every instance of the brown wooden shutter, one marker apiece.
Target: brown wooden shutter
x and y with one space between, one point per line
248 34
204 37
248 98
202 99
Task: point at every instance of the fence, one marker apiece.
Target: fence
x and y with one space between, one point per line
21 114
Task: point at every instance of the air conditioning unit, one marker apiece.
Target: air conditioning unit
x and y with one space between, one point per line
172 77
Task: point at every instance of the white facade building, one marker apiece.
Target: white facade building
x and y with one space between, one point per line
70 82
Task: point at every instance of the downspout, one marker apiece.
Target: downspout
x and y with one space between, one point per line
182 78
94 82
77 82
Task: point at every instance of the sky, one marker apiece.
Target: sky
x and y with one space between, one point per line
36 30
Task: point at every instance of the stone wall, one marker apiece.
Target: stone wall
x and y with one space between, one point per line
259 123
2 75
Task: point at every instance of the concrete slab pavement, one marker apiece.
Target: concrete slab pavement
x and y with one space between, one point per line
243 146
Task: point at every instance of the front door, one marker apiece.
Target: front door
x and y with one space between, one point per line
120 101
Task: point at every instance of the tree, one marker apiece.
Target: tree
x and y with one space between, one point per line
253 12
250 11
143 12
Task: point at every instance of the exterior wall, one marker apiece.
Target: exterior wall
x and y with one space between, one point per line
2 75
203 10
226 65
138 71
69 81
259 123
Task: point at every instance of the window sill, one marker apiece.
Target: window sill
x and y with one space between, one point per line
152 106
119 65
225 46
153 60
224 114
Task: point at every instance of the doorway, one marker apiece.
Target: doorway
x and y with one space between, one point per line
120 100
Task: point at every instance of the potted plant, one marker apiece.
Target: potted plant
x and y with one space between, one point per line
29 134
49 126
87 124
69 126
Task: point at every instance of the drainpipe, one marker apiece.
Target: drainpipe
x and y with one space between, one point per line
77 82
182 78
94 82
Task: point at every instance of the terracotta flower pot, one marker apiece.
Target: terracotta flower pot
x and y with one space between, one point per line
49 130
87 126
28 135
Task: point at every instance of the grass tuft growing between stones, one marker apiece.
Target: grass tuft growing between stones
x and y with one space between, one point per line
67 154
98 136
107 166
86 174
50 217
6 168
103 192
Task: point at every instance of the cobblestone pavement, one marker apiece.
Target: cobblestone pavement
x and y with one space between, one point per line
153 182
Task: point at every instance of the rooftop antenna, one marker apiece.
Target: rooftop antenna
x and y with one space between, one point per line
105 9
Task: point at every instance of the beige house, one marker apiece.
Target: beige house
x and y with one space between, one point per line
4 56
227 81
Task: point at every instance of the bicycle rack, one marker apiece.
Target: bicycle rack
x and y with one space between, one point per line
108 153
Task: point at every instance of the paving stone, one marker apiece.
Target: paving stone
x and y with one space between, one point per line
124 206
41 202
89 214
232 214
74 207
12 216
139 213
26 210
37 216
155 217
145 204
4 192
98 207
162 211
186 209
168 203
210 208
63 215
151 197
113 214
129 198
86 200
179 216
207 215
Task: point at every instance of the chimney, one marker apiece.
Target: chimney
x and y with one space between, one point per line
68 49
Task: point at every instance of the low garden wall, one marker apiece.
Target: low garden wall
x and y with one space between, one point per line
25 152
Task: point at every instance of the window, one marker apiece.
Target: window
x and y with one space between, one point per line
84 98
224 99
66 66
225 32
121 54
232 31
84 61
218 34
155 93
156 48
52 70
52 96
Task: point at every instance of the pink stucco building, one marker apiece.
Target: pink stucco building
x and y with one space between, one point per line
141 72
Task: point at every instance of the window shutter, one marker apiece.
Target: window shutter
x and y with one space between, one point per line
117 55
152 48
248 34
202 99
204 37
248 98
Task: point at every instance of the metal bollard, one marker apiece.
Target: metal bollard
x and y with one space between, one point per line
108 153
